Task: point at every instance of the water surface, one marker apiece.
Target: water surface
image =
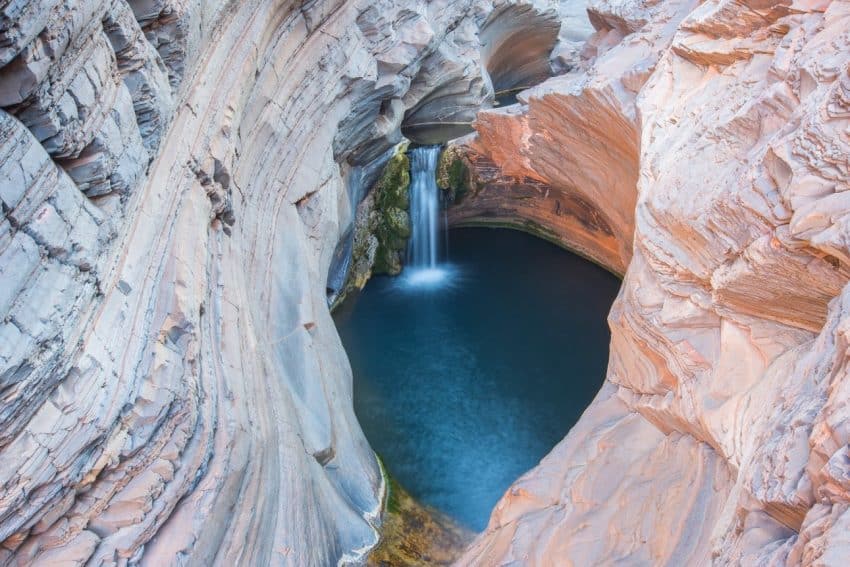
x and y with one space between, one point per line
463 382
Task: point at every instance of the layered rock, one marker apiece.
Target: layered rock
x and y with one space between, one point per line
719 436
514 58
380 232
511 39
173 386
571 146
172 181
484 194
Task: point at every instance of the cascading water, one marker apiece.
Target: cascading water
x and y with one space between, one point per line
424 208
423 265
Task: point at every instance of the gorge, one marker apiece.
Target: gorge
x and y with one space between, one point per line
188 186
463 384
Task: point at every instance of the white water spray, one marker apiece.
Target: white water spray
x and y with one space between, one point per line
423 265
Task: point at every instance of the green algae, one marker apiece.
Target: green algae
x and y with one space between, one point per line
381 226
453 175
415 535
391 223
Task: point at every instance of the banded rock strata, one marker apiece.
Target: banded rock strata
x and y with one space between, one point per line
171 175
721 434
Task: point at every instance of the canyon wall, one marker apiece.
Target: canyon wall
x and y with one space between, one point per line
172 183
171 175
719 132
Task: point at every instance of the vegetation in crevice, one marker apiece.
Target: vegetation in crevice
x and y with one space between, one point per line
381 226
391 221
453 174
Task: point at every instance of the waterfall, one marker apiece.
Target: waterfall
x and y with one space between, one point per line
425 266
423 250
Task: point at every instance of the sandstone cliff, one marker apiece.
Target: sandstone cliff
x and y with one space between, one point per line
717 134
172 183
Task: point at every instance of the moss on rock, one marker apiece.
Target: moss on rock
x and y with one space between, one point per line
392 189
453 174
413 534
392 222
397 223
381 226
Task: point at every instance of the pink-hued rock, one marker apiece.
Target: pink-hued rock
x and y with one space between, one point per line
720 434
577 136
172 186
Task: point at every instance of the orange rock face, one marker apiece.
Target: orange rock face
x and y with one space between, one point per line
718 133
562 216
577 144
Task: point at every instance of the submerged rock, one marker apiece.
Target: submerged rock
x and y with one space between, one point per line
414 535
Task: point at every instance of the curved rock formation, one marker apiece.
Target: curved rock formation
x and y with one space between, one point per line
573 144
720 434
172 184
512 40
173 386
513 57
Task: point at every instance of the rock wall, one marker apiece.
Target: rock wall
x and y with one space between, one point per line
171 175
516 41
721 433
172 184
572 146
486 195
455 85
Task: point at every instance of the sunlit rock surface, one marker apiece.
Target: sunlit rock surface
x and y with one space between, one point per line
573 144
721 434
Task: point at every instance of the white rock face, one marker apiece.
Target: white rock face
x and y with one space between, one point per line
171 175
